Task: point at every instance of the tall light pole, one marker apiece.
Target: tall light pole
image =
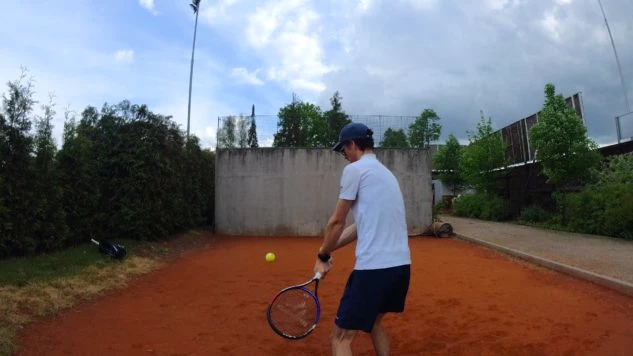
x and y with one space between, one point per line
195 5
617 59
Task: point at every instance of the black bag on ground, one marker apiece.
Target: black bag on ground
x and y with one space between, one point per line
110 248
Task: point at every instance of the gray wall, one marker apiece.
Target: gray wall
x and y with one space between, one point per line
293 192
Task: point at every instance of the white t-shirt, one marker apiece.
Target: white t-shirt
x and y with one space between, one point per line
379 214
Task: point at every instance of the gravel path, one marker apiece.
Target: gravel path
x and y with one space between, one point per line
604 256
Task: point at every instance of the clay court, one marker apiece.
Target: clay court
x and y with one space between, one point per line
463 300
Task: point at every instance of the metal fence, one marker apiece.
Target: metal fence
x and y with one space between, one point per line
267 126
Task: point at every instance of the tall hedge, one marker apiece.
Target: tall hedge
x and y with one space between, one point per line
121 172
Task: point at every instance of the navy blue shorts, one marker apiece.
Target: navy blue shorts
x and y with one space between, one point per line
372 292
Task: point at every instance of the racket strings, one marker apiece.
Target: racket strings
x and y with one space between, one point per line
294 312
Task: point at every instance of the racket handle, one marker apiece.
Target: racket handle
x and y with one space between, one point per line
317 276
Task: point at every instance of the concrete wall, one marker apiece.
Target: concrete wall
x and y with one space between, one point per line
285 191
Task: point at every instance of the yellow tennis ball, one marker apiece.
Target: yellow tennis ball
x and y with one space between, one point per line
270 257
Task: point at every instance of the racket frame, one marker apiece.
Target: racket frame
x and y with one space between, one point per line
314 296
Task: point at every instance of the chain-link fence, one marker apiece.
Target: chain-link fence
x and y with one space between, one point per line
267 127
624 127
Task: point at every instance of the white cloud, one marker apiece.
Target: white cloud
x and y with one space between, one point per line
288 37
284 38
364 5
211 133
124 55
497 4
149 5
502 4
218 12
420 4
244 76
392 57
551 25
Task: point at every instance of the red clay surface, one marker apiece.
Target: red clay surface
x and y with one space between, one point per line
463 300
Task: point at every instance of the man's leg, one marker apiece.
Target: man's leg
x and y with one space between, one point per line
380 338
342 341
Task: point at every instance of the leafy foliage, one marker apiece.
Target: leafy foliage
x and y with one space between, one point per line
122 172
300 124
484 160
605 207
535 214
394 139
49 229
616 170
16 168
481 206
446 161
227 137
242 131
317 126
303 124
336 119
566 153
425 129
252 133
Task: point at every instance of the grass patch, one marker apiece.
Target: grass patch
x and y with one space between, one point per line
67 263
50 295
35 287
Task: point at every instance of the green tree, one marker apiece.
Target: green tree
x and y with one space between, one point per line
566 154
123 172
446 161
242 132
483 161
425 129
299 125
252 131
4 212
77 176
5 222
16 168
318 130
335 119
394 139
226 135
49 226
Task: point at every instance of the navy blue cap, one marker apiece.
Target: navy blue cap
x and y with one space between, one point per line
351 131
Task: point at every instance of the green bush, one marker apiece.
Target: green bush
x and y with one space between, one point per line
441 205
468 206
535 213
583 211
121 173
605 208
482 206
618 212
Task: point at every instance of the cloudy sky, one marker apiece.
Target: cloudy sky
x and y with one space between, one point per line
390 57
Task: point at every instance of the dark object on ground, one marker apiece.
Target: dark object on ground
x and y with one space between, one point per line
111 249
441 229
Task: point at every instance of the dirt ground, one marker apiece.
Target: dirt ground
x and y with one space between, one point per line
463 300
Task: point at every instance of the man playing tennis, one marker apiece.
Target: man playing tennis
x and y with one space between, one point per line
380 280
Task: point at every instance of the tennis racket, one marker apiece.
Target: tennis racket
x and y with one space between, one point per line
295 311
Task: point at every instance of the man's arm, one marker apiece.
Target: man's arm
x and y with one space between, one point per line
348 235
334 228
